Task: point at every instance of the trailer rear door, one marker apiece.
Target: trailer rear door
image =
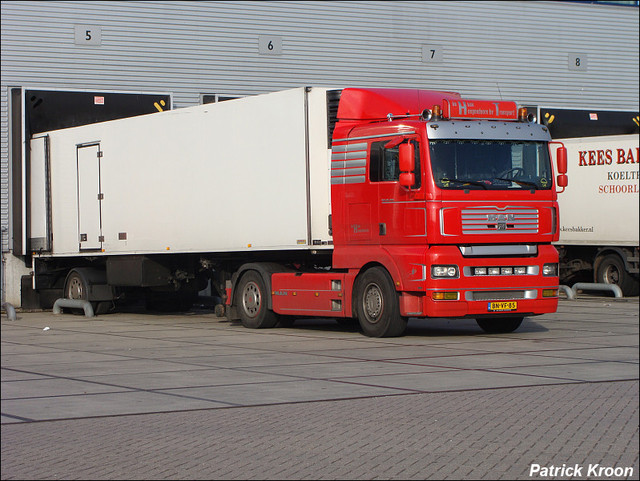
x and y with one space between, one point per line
89 197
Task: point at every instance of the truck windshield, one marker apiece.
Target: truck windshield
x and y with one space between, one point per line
490 164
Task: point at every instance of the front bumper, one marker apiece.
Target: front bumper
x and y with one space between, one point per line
468 295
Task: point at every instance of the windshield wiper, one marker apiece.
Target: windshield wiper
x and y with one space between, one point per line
464 182
520 182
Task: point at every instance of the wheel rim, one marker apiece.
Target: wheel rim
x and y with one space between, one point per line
373 303
612 275
75 290
251 299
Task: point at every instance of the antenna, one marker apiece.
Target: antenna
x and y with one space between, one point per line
498 85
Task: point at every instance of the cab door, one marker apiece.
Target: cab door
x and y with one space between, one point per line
401 216
352 190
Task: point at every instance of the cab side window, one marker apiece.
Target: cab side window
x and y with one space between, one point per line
384 163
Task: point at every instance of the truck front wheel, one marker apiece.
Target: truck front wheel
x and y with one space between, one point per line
251 301
377 306
611 271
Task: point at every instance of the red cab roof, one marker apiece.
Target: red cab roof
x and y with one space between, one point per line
376 103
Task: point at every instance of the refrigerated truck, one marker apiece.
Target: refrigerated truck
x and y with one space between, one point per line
366 204
599 210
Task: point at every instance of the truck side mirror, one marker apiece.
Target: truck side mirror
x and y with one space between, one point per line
407 157
561 159
407 179
563 180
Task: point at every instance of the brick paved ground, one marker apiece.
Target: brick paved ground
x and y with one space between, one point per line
485 434
138 396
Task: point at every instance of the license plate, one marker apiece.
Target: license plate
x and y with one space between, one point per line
503 306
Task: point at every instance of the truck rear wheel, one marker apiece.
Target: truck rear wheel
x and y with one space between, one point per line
611 271
251 301
377 305
499 325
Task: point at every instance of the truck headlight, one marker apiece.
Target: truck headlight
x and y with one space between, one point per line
550 270
444 272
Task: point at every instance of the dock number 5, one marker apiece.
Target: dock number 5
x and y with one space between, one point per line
87 35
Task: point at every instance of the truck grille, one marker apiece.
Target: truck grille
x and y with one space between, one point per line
489 220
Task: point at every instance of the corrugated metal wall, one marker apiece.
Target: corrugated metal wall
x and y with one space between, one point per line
517 50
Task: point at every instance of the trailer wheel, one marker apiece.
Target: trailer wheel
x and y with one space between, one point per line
251 301
377 305
499 325
611 271
77 287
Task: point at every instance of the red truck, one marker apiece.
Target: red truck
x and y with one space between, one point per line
372 204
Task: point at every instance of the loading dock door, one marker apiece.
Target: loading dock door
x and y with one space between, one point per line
39 226
36 111
89 197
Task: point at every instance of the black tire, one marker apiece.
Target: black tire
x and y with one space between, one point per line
611 271
499 325
377 305
102 307
76 287
251 302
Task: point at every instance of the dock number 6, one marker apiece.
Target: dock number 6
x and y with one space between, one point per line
269 45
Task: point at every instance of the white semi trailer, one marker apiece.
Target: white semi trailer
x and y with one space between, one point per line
599 210
183 183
